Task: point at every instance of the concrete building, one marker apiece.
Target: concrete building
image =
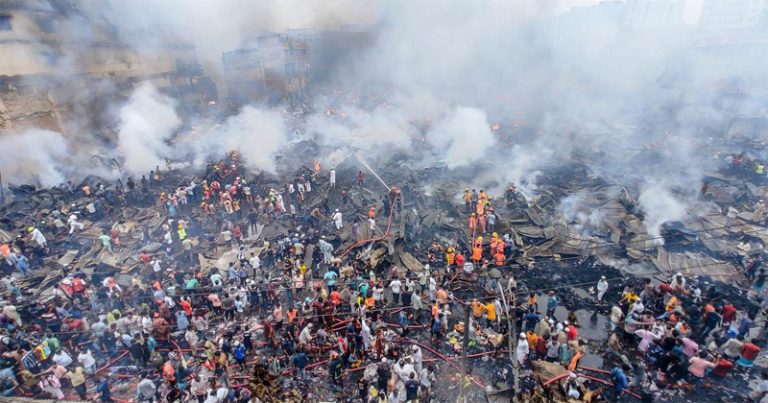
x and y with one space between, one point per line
732 14
57 75
274 71
331 51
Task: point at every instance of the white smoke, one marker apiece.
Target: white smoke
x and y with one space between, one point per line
148 121
577 210
34 156
257 134
660 206
463 137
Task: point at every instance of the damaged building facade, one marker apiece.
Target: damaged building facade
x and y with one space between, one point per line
275 70
285 67
51 76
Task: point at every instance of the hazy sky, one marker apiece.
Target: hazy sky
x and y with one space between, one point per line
690 14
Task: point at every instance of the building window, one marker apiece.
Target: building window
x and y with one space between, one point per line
5 22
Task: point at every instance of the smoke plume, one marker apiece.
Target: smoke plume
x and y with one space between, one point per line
34 157
148 122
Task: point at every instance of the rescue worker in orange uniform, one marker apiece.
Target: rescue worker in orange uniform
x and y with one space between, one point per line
450 257
499 258
480 207
483 221
372 212
501 246
467 200
472 223
494 241
477 254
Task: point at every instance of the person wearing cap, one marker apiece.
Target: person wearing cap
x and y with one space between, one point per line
602 287
336 369
337 220
467 200
522 350
417 357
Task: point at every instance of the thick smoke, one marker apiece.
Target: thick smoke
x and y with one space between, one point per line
660 206
257 134
462 138
34 157
148 122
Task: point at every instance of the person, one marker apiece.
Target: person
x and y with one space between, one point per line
602 287
106 242
467 200
77 379
103 389
300 361
330 277
394 287
145 390
620 382
360 178
336 369
697 367
332 179
337 220
522 350
551 304
412 388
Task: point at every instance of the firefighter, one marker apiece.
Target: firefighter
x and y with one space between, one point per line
472 223
477 253
450 257
467 200
499 258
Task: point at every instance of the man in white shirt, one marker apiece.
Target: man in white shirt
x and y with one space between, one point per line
394 286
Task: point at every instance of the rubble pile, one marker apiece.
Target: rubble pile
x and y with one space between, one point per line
342 282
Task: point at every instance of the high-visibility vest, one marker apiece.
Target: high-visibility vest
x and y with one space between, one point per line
477 253
450 257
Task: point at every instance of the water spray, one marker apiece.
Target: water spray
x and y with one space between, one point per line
373 172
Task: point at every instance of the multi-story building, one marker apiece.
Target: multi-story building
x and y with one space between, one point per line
331 51
274 71
61 69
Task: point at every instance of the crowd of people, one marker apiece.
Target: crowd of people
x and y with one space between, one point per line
304 305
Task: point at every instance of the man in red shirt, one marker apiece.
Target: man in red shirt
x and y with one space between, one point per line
749 351
573 334
722 368
728 313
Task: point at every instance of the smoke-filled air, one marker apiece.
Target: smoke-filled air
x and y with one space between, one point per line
358 200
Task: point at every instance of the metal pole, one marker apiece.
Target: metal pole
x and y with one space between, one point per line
511 340
513 335
461 398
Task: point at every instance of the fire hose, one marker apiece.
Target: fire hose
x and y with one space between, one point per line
375 239
442 357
